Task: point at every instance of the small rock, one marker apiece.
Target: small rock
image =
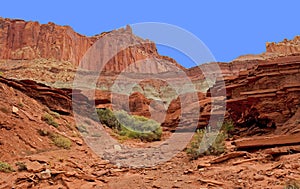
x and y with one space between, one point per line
79 142
45 174
88 178
203 165
70 174
269 173
117 147
155 186
103 162
55 172
258 178
118 165
170 167
35 167
15 110
101 173
118 170
149 178
188 171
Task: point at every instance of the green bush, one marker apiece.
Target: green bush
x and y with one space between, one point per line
204 140
49 119
227 126
61 141
107 117
130 126
58 140
5 167
54 114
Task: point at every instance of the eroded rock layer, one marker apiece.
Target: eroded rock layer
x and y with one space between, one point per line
22 40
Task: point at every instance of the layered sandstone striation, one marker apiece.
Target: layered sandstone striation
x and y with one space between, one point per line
266 96
286 47
56 100
22 40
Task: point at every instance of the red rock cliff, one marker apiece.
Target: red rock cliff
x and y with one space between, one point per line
286 47
22 40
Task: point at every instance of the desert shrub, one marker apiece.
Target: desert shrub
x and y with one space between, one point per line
292 184
43 132
204 140
54 114
58 140
5 167
107 117
130 126
139 127
61 141
20 104
227 126
21 166
49 119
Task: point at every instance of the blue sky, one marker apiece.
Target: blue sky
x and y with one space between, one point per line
228 28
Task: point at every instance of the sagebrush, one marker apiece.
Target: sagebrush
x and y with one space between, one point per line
130 126
5 167
49 119
208 141
61 141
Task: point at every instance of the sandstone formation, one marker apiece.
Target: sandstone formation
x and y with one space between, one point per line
21 40
274 50
56 99
286 47
266 96
250 83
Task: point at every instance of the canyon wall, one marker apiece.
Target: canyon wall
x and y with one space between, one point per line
22 40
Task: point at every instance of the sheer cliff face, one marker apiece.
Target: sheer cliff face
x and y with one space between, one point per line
21 40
